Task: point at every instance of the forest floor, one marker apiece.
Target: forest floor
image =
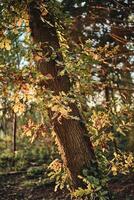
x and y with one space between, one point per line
16 186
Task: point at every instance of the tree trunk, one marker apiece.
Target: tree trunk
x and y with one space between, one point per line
75 147
14 131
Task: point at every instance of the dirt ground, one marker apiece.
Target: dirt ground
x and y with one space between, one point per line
12 187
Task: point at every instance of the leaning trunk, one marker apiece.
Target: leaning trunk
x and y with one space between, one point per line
75 146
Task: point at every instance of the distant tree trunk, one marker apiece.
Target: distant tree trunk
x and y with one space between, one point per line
14 131
75 147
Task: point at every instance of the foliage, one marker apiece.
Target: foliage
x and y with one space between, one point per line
6 160
27 155
98 58
33 172
122 163
93 190
59 174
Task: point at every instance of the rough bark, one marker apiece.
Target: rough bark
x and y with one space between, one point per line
75 147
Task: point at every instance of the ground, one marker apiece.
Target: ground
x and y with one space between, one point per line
16 186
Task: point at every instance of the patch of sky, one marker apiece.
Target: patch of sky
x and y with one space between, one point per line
76 5
95 78
132 76
84 15
88 28
120 65
131 60
130 46
83 4
60 1
23 63
96 100
131 17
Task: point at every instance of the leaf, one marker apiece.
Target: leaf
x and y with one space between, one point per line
19 108
55 108
28 133
33 138
19 22
2 45
114 170
63 111
7 44
85 172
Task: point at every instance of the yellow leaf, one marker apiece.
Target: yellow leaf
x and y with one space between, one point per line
7 44
15 31
114 170
19 23
15 108
28 133
2 45
19 108
55 108
63 111
33 138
